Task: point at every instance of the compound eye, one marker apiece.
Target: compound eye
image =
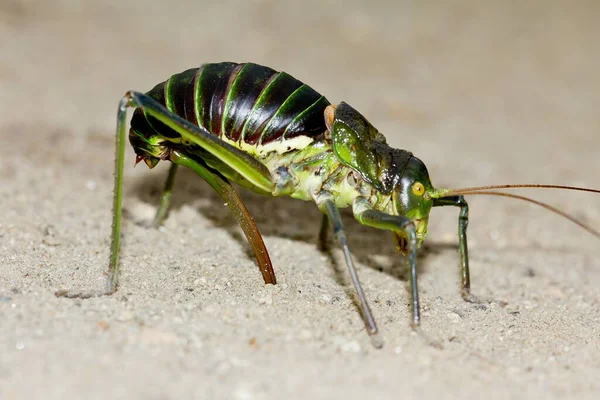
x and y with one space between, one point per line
418 189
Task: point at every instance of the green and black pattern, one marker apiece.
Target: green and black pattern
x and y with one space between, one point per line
243 102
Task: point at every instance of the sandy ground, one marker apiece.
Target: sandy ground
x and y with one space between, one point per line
483 93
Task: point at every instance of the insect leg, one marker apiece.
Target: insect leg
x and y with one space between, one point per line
165 198
377 219
327 206
250 168
323 234
463 221
113 261
238 209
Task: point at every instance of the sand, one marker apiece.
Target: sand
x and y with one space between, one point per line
483 93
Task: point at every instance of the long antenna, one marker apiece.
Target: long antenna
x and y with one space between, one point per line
539 203
479 188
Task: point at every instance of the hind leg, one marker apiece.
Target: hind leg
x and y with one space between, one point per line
237 208
248 167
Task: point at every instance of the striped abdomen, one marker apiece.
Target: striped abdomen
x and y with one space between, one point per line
243 102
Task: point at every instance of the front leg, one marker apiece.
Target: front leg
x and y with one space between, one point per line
463 221
397 223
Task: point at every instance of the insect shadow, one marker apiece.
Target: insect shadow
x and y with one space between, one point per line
286 218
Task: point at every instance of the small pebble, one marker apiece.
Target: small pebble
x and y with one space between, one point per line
454 317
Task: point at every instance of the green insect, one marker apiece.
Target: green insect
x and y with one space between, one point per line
272 134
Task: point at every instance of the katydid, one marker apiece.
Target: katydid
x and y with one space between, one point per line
272 134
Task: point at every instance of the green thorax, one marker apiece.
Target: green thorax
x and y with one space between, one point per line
304 173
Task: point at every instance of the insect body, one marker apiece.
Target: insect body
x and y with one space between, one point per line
274 135
280 122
